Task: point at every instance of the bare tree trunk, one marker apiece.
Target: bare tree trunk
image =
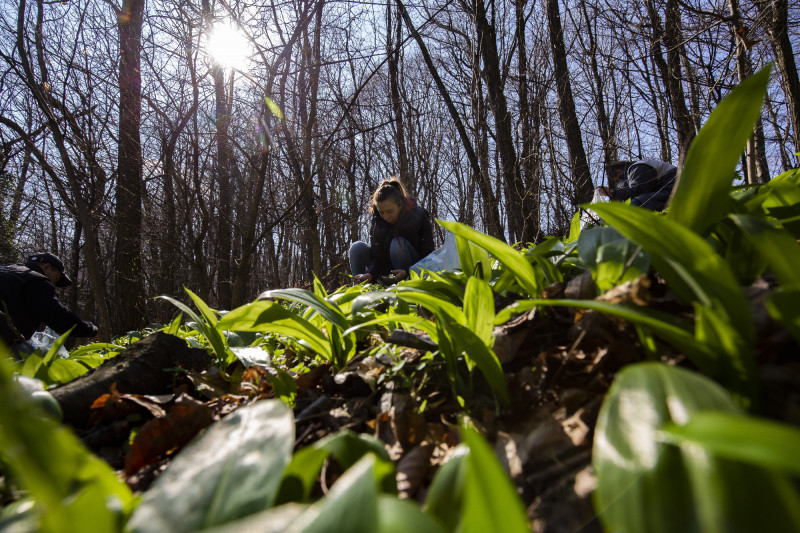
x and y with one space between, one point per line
491 214
521 225
128 286
168 260
249 239
670 69
529 158
756 170
579 166
776 15
46 106
224 171
393 45
786 162
308 89
483 179
604 125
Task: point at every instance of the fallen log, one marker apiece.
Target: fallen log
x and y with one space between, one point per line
145 367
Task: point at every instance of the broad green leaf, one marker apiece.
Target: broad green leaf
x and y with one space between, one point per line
445 500
431 302
474 259
463 341
448 291
73 490
271 317
618 262
549 271
670 328
646 485
184 308
782 252
700 199
590 241
574 228
780 249
279 519
746 439
516 308
284 385
370 298
92 360
21 516
351 505
319 288
479 309
210 330
739 252
690 257
686 260
491 502
782 306
52 352
514 261
231 471
32 366
94 348
328 311
206 312
412 321
65 370
301 474
348 448
175 325
403 516
204 327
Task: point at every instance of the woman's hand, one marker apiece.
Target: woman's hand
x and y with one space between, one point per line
362 277
395 276
603 191
399 275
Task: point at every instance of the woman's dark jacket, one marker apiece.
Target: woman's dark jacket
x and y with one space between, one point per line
414 224
28 298
648 183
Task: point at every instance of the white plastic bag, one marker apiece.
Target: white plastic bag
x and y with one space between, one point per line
590 217
444 257
44 340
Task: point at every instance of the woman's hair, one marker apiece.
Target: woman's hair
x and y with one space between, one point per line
613 168
388 189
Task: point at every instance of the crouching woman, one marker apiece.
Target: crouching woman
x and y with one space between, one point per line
401 234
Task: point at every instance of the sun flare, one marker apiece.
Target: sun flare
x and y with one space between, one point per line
227 46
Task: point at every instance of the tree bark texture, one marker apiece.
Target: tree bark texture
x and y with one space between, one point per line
46 105
579 166
492 214
670 69
529 159
518 201
145 367
130 311
776 14
393 46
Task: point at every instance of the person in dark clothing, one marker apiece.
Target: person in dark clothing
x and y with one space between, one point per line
648 182
28 299
401 234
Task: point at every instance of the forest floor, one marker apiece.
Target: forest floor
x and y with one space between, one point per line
558 365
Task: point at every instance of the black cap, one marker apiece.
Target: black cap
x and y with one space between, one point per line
50 259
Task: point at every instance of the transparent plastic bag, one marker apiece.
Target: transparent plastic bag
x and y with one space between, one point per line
44 339
589 217
444 257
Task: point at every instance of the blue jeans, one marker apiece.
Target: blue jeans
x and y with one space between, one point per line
401 253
